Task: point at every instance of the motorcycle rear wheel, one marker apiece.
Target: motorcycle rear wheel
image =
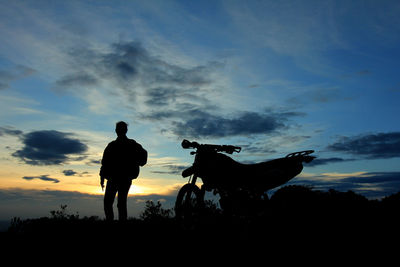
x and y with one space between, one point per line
189 201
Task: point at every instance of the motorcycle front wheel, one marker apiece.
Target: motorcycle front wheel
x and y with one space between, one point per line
189 201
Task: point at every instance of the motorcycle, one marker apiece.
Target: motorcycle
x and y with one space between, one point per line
241 187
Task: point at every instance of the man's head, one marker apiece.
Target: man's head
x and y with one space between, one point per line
121 128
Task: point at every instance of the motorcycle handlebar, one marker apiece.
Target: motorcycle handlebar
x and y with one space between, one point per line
187 144
224 148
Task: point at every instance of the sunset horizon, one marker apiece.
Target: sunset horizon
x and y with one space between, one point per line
272 77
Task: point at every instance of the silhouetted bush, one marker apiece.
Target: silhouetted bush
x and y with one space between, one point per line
62 214
392 201
155 211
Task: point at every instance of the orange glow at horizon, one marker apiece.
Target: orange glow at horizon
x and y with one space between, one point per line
89 184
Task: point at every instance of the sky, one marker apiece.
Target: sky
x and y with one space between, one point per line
273 77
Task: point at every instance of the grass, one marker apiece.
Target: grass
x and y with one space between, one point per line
294 215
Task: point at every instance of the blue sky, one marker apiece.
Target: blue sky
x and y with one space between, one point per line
271 76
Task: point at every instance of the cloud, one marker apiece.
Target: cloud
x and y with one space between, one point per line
152 87
162 96
370 146
77 79
369 184
9 131
49 148
207 125
18 72
69 172
203 124
172 169
324 161
130 67
375 177
93 162
42 177
268 146
182 99
73 173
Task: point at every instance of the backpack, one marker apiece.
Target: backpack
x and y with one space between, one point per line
142 158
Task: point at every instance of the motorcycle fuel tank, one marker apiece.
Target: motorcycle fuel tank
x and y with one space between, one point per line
219 170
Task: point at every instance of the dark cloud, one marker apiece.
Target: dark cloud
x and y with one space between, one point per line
73 173
370 184
69 172
9 131
258 148
208 125
370 146
193 122
129 66
204 124
324 161
49 148
93 162
8 76
77 79
265 147
172 169
42 177
376 177
160 96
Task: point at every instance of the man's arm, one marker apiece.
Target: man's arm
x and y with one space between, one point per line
102 183
104 163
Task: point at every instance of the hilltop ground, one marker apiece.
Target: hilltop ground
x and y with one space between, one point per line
295 218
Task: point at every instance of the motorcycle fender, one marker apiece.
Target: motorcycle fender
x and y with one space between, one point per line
189 171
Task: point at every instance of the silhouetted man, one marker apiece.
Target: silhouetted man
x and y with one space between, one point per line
120 164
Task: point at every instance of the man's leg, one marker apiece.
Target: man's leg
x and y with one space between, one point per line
123 189
109 196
